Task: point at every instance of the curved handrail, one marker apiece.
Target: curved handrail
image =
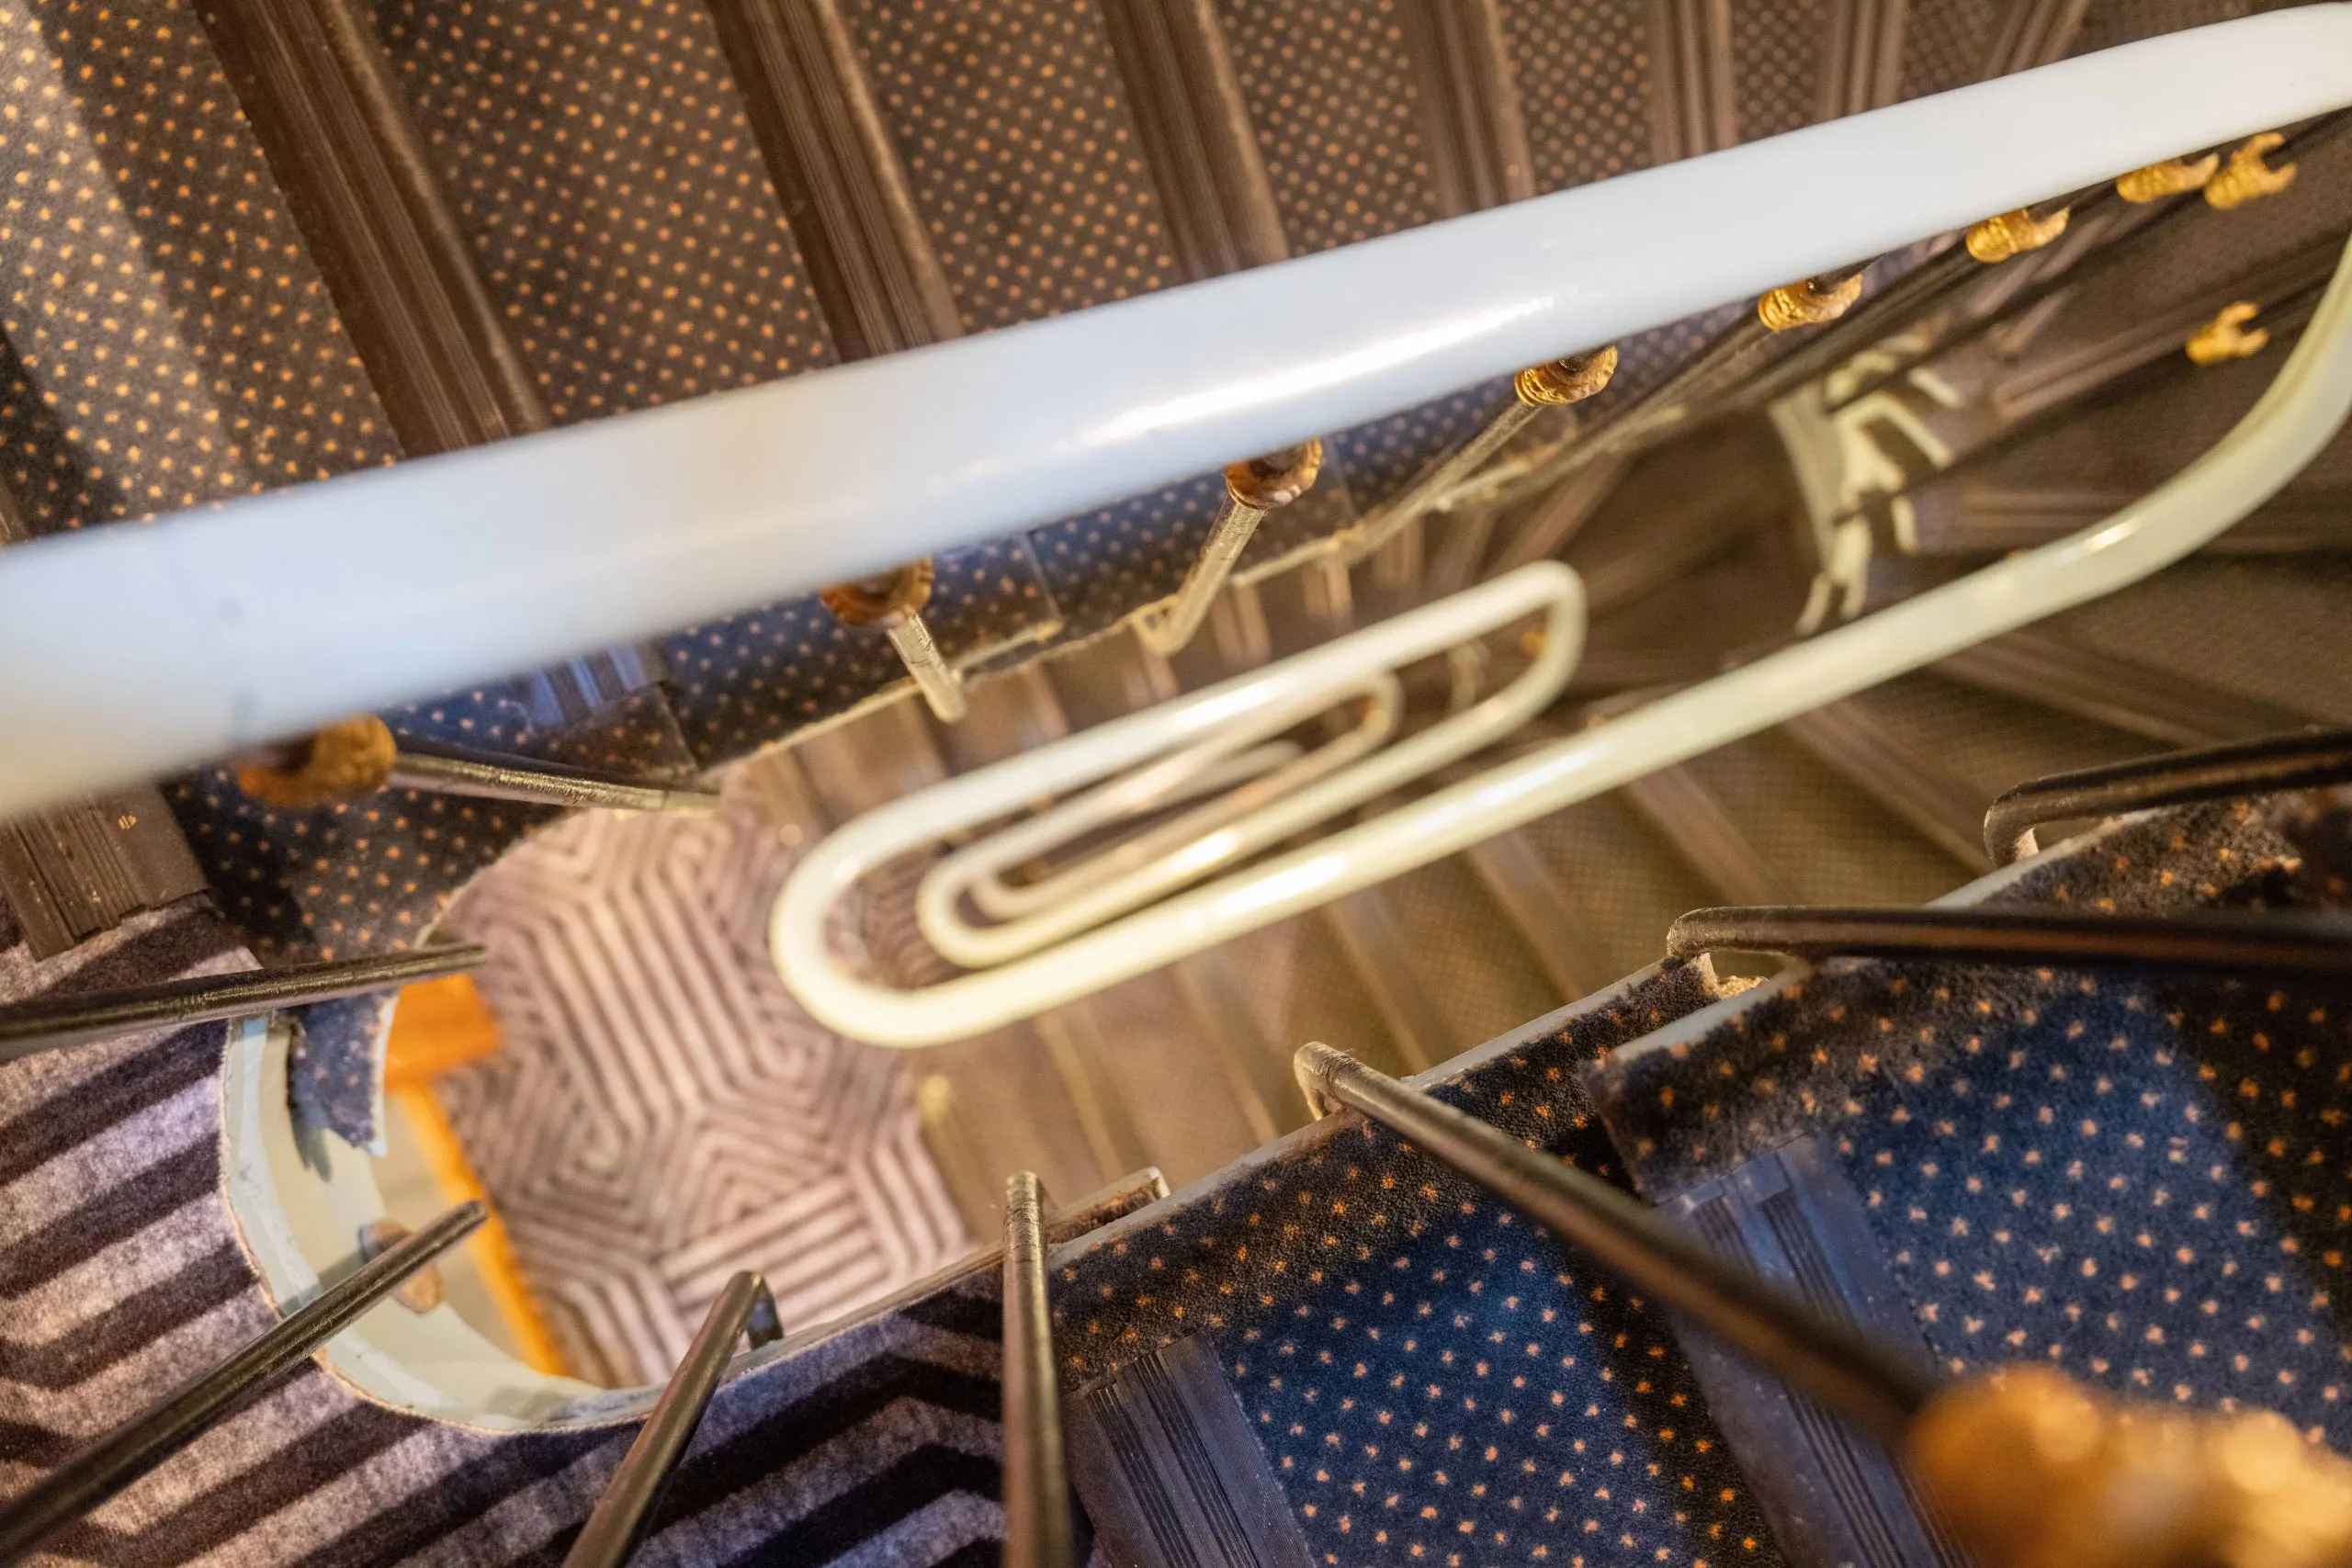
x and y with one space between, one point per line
130 652
1232 831
1180 736
2304 406
979 868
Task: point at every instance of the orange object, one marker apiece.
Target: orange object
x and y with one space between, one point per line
493 1252
437 1027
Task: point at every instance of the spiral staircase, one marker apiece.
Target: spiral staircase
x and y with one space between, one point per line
260 242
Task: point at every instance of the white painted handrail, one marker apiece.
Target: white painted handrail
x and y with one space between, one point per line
1204 768
1241 712
2303 408
128 651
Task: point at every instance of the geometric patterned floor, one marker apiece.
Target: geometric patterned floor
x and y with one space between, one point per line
660 1113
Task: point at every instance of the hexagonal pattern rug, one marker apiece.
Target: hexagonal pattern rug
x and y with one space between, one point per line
660 1113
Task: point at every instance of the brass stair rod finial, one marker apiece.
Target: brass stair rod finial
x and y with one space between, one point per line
1571 380
2171 177
1252 488
885 600
1568 379
1809 301
2225 337
2032 1470
2247 176
360 757
2006 234
1275 478
892 603
344 760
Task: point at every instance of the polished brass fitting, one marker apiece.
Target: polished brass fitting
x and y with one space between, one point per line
2225 337
2170 177
342 761
1568 380
1808 303
421 1292
887 599
2247 176
2032 1470
1277 478
1998 238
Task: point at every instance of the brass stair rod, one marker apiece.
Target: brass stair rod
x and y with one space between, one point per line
2254 177
2027 1467
625 1512
2284 317
1808 302
101 1468
360 756
892 603
1036 1484
1552 384
1907 299
1252 489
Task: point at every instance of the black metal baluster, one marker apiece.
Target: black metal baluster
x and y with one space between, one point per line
623 1514
106 1466
52 1022
2270 943
2313 760
1036 1484
1813 1353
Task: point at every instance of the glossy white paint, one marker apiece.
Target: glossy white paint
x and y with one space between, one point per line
1260 705
2296 417
128 651
299 1200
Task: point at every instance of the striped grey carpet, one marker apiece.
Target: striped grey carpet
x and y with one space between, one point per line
122 1275
662 1113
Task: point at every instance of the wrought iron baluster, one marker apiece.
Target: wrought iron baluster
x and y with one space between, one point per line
53 1023
2270 944
625 1512
2313 760
1036 1484
361 756
106 1466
